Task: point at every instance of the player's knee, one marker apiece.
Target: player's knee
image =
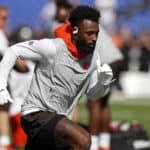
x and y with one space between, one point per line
85 142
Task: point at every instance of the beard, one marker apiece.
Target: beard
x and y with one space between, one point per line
83 46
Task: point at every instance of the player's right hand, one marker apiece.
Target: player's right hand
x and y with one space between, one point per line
105 74
4 96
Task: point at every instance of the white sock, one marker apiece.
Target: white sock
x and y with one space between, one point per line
104 140
94 142
5 140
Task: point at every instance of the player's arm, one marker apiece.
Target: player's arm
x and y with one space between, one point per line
21 66
38 50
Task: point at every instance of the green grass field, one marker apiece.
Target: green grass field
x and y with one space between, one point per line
128 110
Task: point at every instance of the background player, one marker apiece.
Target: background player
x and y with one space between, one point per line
99 111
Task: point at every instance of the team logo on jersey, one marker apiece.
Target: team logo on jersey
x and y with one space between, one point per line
85 65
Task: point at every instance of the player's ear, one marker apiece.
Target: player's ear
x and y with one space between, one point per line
75 30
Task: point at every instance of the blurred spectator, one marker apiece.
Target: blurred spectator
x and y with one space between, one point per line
48 13
108 13
136 51
126 38
75 3
22 33
145 52
19 91
134 55
62 13
5 141
52 11
3 29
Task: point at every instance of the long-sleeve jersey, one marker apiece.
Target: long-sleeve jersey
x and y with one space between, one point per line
59 79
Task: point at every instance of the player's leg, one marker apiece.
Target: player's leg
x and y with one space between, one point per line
50 130
104 134
72 134
94 122
99 120
75 116
18 136
5 140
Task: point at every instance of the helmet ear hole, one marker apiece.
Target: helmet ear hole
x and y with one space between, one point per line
75 30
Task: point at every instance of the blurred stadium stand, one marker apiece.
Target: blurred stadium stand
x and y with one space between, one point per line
23 12
27 12
135 13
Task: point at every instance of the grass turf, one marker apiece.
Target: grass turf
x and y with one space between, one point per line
128 110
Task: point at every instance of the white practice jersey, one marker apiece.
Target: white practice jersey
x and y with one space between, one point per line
59 79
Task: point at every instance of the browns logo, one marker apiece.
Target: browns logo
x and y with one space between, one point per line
85 65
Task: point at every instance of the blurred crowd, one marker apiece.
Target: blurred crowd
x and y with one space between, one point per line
126 21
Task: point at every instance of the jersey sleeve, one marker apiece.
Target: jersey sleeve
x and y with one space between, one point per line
40 50
35 49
